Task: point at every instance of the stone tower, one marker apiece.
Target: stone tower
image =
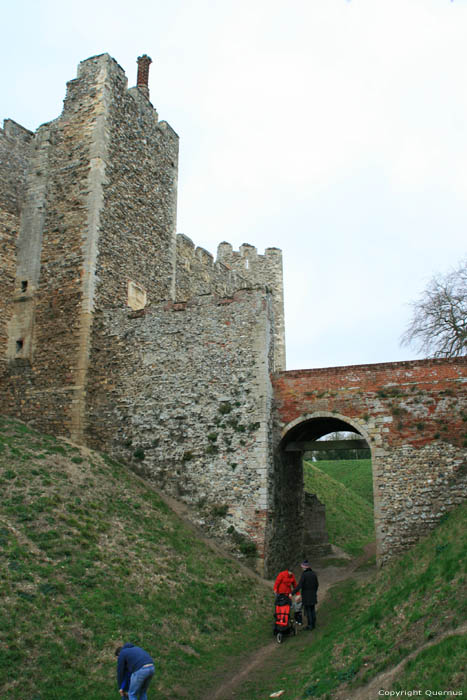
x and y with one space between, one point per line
97 231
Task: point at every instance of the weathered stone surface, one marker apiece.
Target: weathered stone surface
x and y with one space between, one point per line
15 152
186 394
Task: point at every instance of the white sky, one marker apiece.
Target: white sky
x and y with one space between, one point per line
332 129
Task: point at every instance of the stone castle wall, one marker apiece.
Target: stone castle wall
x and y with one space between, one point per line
15 151
198 273
182 390
261 269
115 329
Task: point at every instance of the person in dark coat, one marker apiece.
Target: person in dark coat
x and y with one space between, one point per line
134 664
308 585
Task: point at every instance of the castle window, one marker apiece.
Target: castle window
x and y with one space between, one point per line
247 264
19 345
24 285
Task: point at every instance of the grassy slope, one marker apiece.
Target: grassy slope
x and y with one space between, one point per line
90 557
349 517
355 474
364 629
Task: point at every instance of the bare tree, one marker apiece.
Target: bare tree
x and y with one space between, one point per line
439 322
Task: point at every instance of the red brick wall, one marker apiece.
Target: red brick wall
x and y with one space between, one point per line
423 400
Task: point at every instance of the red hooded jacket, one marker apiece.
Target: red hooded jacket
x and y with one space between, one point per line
285 582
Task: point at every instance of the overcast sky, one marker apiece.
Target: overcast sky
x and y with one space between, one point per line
332 129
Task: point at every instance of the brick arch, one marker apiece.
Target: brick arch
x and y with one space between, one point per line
413 417
306 417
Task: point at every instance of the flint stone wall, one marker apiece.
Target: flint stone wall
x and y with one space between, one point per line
182 390
261 270
181 387
15 151
415 488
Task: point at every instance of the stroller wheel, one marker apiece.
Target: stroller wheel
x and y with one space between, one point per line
279 637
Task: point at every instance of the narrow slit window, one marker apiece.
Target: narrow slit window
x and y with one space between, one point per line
19 345
24 285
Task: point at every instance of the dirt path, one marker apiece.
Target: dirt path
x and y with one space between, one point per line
328 576
233 678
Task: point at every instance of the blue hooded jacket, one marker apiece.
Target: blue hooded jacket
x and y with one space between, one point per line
131 659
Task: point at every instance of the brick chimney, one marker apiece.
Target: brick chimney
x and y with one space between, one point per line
143 74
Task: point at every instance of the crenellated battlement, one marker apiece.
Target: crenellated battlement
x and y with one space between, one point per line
261 270
198 273
225 252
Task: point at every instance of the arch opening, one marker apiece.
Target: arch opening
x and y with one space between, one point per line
320 502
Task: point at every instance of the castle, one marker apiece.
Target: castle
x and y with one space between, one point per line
124 336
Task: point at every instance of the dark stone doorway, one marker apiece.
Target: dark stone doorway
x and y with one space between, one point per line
299 519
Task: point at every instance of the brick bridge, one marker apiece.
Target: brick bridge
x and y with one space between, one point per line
413 417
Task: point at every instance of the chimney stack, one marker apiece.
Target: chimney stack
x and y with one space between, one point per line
142 80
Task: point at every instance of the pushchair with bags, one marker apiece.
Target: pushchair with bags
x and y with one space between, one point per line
284 622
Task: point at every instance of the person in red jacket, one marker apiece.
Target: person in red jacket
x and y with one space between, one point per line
285 582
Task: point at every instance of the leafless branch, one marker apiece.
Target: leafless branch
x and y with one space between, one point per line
439 322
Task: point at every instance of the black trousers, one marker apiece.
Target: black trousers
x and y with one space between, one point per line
310 615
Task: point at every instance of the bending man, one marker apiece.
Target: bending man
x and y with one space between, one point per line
139 665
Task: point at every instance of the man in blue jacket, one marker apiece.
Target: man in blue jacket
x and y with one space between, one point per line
139 665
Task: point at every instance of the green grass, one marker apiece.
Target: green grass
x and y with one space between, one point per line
91 557
349 517
367 628
439 667
354 474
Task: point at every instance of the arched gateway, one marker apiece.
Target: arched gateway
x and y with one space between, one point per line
413 417
292 513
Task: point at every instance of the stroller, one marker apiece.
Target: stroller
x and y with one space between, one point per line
284 622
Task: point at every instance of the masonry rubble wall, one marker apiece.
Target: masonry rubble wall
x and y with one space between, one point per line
182 390
42 333
15 151
316 539
413 415
137 227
